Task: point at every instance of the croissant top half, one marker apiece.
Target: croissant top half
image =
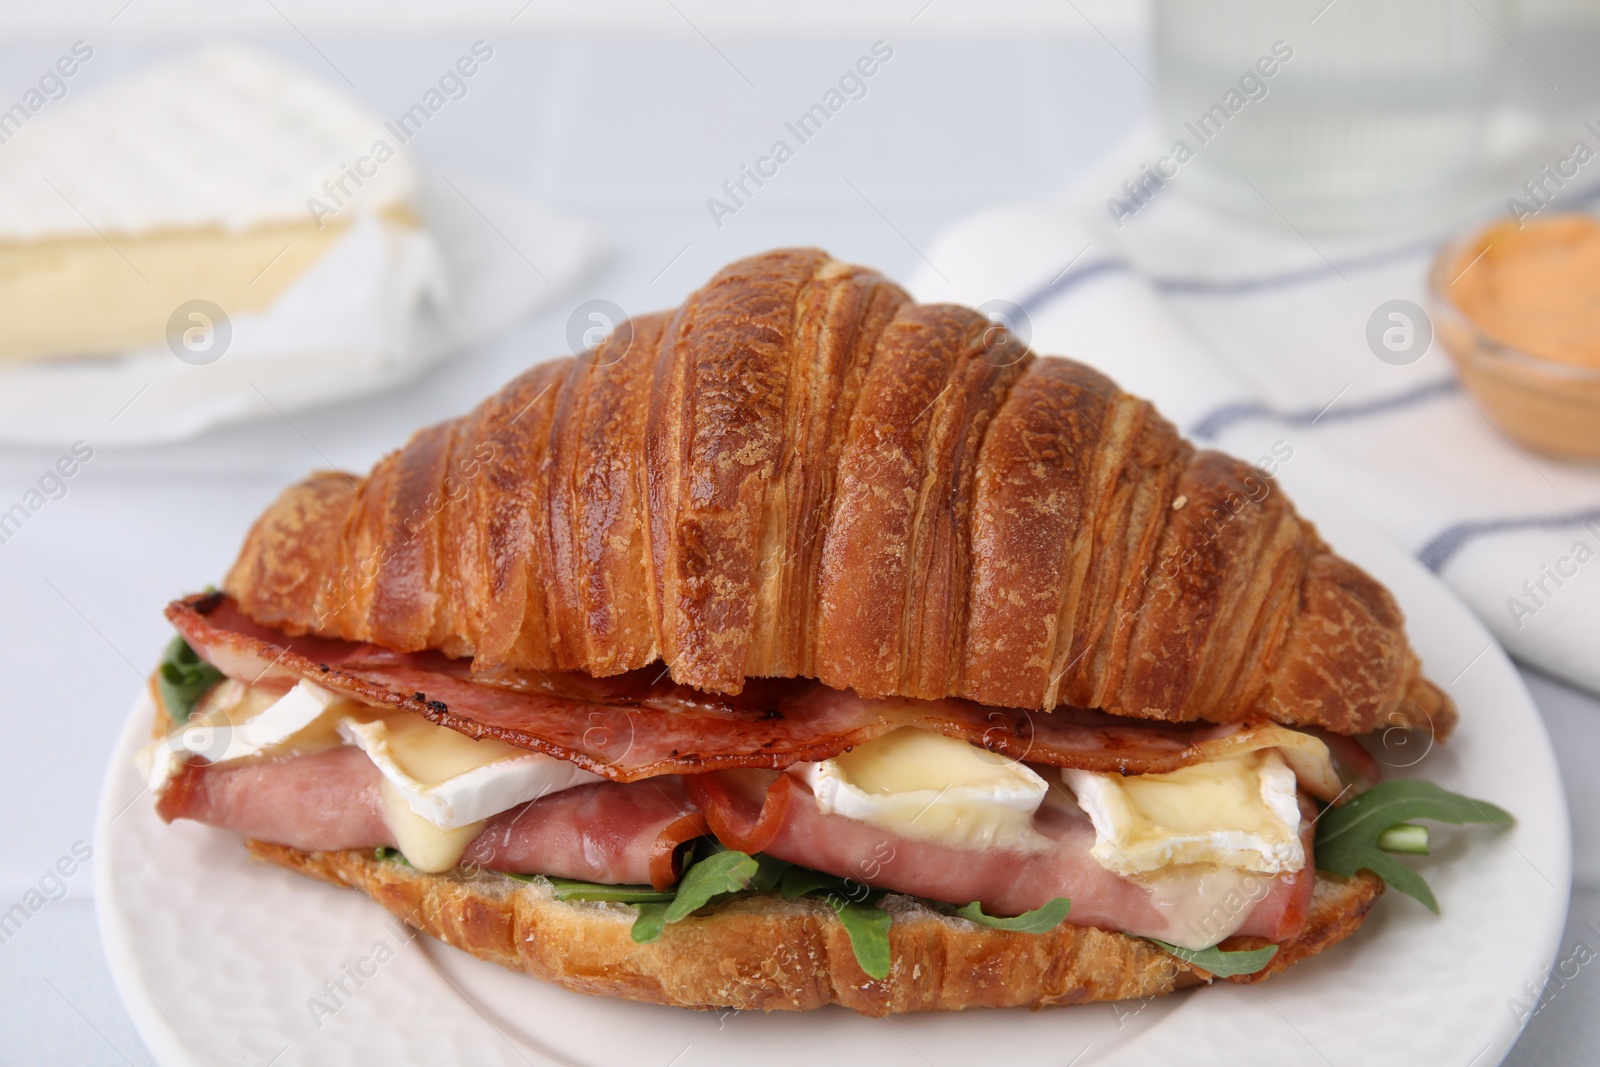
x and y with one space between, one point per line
801 472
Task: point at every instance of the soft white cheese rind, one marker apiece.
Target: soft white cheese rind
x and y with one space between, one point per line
473 795
928 787
1241 813
465 781
1200 905
235 722
228 137
278 722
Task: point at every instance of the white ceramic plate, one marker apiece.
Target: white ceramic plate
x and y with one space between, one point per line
224 961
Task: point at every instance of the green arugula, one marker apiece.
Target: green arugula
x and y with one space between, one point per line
1218 962
390 855
867 926
799 881
721 872
1360 834
569 889
769 874
183 678
716 873
864 923
1040 920
649 922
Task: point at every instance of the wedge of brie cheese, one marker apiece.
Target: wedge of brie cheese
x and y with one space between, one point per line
189 181
451 780
439 786
1240 812
929 787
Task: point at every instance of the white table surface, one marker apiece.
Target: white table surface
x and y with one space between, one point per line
634 134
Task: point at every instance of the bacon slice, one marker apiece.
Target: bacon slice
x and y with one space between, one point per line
636 726
777 814
602 832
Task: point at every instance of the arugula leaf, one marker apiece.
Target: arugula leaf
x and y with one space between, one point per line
390 855
769 873
769 869
183 678
798 881
651 921
1348 836
1040 920
718 873
1218 962
867 926
570 889
723 871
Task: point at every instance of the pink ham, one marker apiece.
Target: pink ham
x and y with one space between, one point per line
762 812
631 833
321 803
612 832
602 832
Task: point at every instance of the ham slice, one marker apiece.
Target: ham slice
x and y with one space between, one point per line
602 832
612 832
322 802
631 833
756 811
636 726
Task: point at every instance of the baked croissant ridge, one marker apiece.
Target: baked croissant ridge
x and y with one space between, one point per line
802 473
808 594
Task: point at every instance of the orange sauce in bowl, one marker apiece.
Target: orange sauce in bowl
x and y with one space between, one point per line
1536 289
1518 310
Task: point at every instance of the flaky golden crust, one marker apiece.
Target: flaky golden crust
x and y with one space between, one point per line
800 472
768 954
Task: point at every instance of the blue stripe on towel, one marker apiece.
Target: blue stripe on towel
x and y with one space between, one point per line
1439 551
1212 425
1067 279
1285 279
1044 295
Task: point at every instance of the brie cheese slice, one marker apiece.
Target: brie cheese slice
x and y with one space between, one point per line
213 176
928 787
445 778
424 845
451 780
1240 812
237 721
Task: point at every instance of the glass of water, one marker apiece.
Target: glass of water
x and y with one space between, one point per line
1341 115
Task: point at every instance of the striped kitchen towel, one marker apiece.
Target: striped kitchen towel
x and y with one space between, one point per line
1253 341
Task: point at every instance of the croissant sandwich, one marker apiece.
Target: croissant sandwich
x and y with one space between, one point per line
806 645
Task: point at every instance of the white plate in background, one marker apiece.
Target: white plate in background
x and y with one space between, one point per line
373 312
